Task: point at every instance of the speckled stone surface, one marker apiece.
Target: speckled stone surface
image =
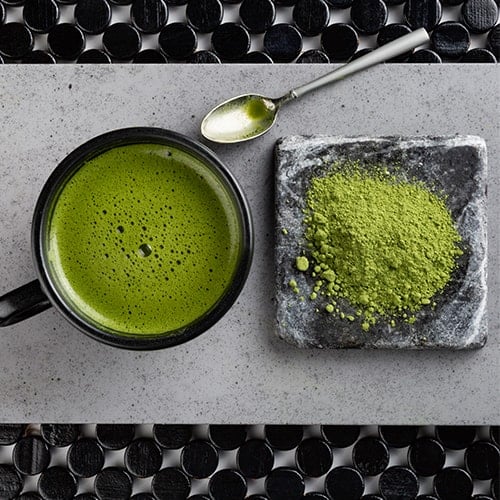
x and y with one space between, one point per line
239 371
456 166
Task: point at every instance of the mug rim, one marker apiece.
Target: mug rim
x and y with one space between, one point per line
142 135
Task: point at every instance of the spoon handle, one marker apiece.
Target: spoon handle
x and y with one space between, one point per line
388 51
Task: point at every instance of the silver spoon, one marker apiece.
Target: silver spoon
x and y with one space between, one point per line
248 116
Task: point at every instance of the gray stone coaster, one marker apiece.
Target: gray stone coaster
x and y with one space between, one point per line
455 165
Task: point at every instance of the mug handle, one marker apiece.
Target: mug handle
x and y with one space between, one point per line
22 303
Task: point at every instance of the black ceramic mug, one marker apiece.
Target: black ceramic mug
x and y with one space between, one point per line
46 292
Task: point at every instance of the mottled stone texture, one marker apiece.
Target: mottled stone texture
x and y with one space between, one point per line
455 165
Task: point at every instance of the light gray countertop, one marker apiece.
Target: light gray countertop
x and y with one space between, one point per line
238 371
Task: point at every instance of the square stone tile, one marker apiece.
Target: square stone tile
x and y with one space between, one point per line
457 166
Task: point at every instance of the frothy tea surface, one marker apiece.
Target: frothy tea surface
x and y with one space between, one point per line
143 239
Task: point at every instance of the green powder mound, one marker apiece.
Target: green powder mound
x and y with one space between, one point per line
386 245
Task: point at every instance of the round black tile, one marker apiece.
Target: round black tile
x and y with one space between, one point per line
85 457
56 483
86 496
286 3
480 15
339 4
422 13
203 57
482 460
283 43
255 458
10 433
38 57
172 437
31 455
227 484
256 57
398 483
31 495
122 41
426 497
479 56
66 41
149 56
93 56
16 40
284 437
257 15
177 41
199 459
495 429
142 496
370 455
115 436
284 483
176 2
368 16
113 483
93 16
340 436
314 457
313 56
204 15
143 457
227 437
121 2
344 483
451 40
314 496
455 437
149 16
311 16
396 436
402 434
11 483
426 456
40 15
230 41
424 56
60 435
493 43
453 483
170 484
340 41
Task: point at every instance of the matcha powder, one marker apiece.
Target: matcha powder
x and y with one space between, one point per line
385 245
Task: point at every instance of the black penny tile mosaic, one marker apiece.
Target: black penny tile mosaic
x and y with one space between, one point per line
242 31
254 462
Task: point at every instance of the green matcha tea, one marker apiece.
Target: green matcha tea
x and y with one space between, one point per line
143 239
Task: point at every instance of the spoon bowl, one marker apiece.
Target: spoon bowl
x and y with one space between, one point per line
239 119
